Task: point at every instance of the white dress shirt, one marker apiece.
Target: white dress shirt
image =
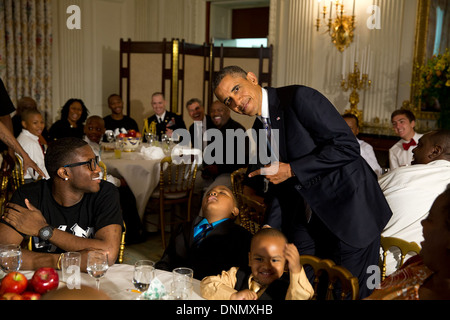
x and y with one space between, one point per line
30 143
369 155
398 156
410 192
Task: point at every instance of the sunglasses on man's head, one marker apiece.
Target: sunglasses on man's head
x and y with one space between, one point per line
91 163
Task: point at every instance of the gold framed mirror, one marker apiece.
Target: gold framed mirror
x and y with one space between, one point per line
425 38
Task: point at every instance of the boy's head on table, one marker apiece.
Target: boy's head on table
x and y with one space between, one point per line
219 203
269 256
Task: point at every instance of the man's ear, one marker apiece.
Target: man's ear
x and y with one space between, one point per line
252 78
62 173
436 152
24 124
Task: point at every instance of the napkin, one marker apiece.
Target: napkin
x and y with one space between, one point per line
155 291
152 153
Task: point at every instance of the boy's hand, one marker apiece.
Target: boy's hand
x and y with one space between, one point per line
293 258
244 295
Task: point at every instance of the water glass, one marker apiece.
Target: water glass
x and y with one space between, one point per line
118 148
70 269
183 274
182 288
144 272
10 257
97 265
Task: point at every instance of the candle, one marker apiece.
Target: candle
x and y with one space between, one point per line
344 58
318 9
353 7
331 8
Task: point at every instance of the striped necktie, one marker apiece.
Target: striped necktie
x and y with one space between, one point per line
205 228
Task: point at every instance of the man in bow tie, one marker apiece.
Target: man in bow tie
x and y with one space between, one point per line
400 154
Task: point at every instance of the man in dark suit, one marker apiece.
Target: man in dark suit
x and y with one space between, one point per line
211 243
323 196
166 122
196 111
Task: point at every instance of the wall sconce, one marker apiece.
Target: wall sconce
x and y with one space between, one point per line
341 29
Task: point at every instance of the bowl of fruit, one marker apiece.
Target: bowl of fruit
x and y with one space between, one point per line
130 141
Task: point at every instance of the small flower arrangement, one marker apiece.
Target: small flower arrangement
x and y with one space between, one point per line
434 85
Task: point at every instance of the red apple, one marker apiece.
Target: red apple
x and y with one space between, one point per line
11 296
122 135
138 135
28 295
44 280
14 282
132 133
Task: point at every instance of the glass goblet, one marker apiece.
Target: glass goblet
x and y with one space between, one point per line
97 265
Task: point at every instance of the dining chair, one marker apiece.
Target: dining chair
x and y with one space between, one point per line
176 185
251 214
102 165
237 179
392 243
17 174
336 276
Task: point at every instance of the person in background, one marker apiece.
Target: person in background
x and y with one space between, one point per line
411 190
74 210
33 125
73 115
269 258
425 276
166 121
94 130
7 135
366 149
400 154
22 105
117 120
211 243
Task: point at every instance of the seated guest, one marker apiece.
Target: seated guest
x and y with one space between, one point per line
33 125
22 105
269 258
72 211
166 122
366 149
410 191
400 154
209 244
197 113
425 276
117 120
94 130
73 115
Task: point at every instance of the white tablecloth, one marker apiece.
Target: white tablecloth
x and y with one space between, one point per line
117 283
141 175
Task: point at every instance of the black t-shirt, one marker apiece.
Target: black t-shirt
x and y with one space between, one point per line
92 213
127 123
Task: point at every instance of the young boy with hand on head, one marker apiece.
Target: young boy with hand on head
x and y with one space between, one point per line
32 127
270 256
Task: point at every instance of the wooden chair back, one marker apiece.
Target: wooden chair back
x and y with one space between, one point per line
405 247
349 285
251 214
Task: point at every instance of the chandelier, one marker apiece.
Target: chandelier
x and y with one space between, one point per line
340 27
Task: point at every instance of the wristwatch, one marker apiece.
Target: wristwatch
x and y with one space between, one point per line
46 233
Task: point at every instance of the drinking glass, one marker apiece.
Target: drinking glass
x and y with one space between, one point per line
182 288
10 257
97 265
109 136
183 274
144 272
150 138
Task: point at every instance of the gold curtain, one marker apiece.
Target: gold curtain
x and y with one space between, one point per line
25 51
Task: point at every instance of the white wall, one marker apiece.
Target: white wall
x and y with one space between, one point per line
86 61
